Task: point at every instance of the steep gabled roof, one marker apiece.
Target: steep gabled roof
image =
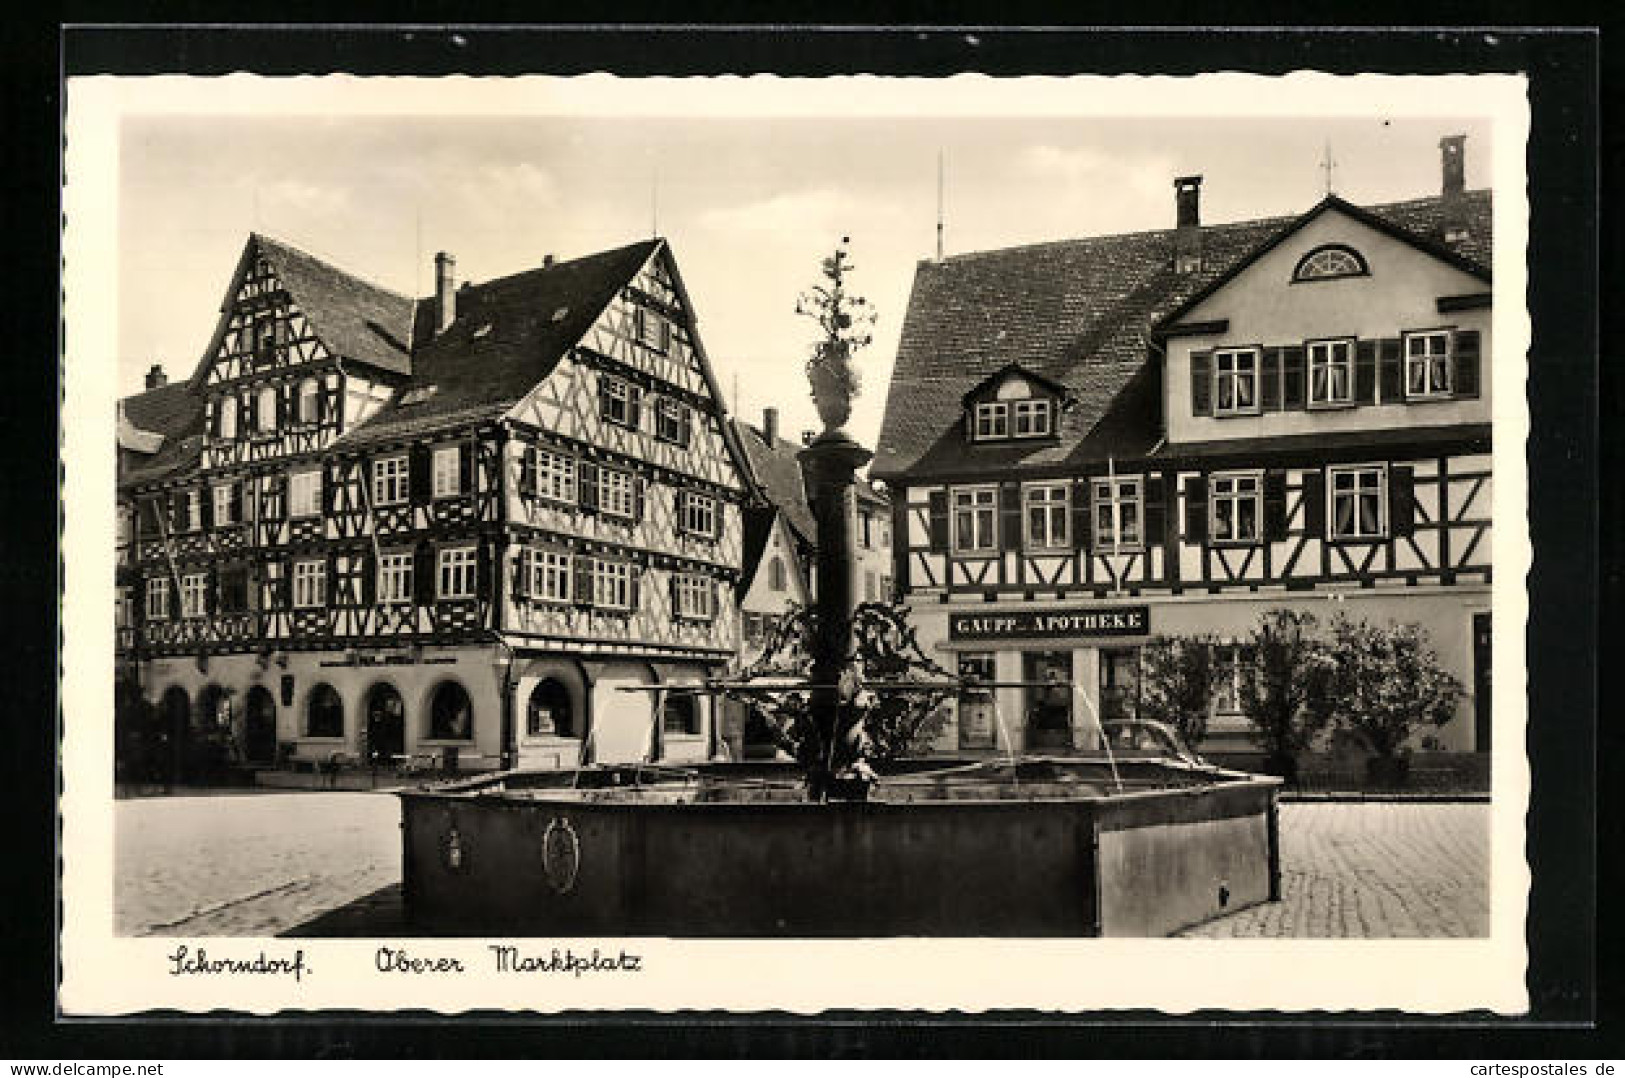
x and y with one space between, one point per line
759 522
170 416
508 336
776 470
355 318
1006 371
1080 313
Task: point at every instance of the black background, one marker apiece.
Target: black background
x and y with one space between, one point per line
1564 825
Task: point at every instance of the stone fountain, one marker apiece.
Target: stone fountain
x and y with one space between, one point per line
842 842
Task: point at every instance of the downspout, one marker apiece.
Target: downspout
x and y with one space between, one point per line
506 754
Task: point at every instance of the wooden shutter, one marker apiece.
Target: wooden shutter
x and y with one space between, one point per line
719 518
899 538
239 502
211 583
419 466
251 409
587 486
1314 503
370 569
1201 383
527 470
1269 392
1464 356
1274 506
206 501
1195 509
639 485
671 588
423 572
582 565
634 406
1390 371
1010 516
465 468
327 480
330 582
1083 536
524 572
634 589
685 425
214 417
282 407
484 569
938 516
1365 372
603 396
1401 500
177 511
1292 377
1156 511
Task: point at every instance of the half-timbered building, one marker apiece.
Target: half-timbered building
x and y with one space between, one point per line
1091 442
456 528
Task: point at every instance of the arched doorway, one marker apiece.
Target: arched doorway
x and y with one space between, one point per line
259 726
548 713
385 725
176 724
451 713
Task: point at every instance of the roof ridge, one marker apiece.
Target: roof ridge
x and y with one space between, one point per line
264 237
516 274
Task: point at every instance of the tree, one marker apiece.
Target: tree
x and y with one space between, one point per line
1178 675
1388 683
1286 689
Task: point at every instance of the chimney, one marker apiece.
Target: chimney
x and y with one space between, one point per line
770 426
445 291
547 261
1188 224
1452 186
156 378
807 437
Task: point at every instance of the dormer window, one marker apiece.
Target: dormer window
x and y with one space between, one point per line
1012 403
992 420
1032 418
1329 262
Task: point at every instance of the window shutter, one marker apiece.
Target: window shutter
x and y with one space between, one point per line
1274 506
638 496
899 538
1195 509
239 502
484 561
587 486
211 584
330 582
465 467
1365 372
327 485
1270 380
282 407
1390 371
206 500
214 417
685 425
1464 356
635 587
527 470
138 601
284 587
177 510
1083 536
148 517
423 581
582 564
1156 511
603 396
1401 500
719 518
937 513
634 406
671 588
1201 383
1292 375
419 477
251 408
1010 516
369 579
1314 503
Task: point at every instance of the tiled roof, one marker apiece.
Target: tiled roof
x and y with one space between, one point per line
354 317
1474 435
1079 312
777 471
507 337
174 414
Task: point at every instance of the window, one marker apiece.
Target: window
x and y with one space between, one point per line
866 522
266 409
309 584
697 514
305 494
324 712
885 588
777 578
194 510
1235 506
555 476
389 481
1047 511
680 714
974 513
1427 364
157 599
870 584
395 577
309 401
225 505
1235 381
447 471
451 714
548 714
1232 662
652 330
975 705
124 609
671 418
1333 260
457 572
611 584
264 340
993 420
1032 418
617 401
194 586
1331 372
550 576
228 417
1117 519
1358 502
234 590
616 492
695 597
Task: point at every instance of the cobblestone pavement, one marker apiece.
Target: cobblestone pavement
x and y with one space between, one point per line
1375 869
253 864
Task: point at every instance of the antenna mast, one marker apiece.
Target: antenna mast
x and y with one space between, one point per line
939 205
1327 165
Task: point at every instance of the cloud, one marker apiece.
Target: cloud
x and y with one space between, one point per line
1081 166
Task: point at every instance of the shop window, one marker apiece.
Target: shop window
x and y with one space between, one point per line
976 705
548 713
451 714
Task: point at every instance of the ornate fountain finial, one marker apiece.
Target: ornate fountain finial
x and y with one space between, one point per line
845 321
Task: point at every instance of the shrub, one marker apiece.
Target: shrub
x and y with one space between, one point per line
1286 690
1178 676
1388 683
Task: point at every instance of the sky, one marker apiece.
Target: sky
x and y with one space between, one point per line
749 204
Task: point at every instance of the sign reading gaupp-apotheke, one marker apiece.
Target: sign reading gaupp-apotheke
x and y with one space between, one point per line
1038 624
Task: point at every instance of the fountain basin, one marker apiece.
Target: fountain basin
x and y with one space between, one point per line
1067 848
